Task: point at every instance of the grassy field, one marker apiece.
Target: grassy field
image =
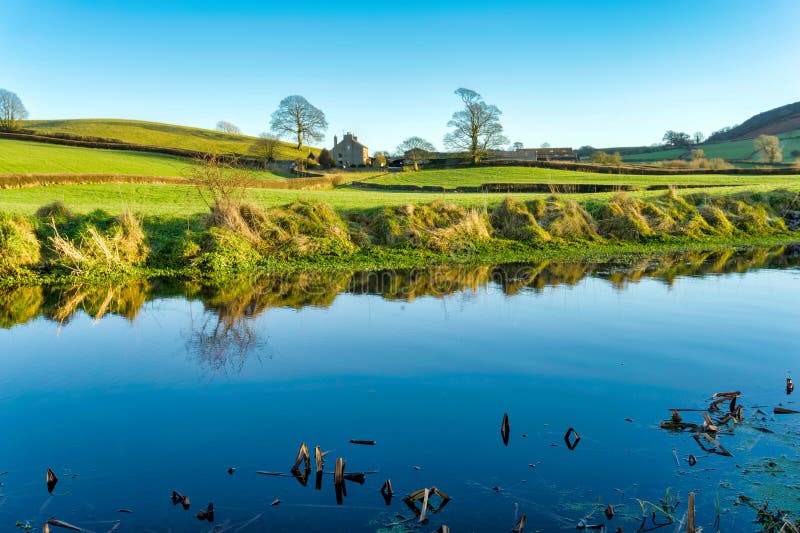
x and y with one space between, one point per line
22 157
185 200
158 134
790 141
476 176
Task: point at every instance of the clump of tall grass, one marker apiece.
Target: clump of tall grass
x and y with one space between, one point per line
512 220
19 246
439 225
121 246
55 210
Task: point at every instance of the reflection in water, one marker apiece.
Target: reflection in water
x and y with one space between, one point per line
227 332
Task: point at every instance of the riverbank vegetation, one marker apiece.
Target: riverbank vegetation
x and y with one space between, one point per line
238 233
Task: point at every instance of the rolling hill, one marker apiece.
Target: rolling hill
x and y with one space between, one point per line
735 143
158 134
24 157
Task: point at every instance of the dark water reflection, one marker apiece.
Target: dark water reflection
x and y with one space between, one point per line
131 391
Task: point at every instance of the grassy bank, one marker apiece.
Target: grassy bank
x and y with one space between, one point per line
235 235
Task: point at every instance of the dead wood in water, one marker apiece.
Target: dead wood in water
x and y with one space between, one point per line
783 411
443 529
609 511
519 526
505 429
789 386
338 475
363 442
387 491
425 495
302 457
572 442
52 480
319 458
58 523
275 502
690 514
178 498
208 514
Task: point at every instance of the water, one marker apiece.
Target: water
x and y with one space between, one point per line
131 392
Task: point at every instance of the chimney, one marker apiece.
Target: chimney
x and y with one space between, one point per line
335 140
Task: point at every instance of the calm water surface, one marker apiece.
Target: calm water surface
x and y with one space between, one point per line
131 392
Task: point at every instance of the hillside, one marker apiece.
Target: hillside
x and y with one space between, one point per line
740 150
779 120
158 134
23 157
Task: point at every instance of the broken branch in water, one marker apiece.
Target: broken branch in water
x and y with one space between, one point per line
338 475
52 480
519 525
505 429
208 514
690 514
783 411
387 491
178 498
302 457
364 442
58 523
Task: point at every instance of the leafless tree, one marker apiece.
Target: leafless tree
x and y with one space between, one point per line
770 148
415 149
11 111
477 127
698 137
296 117
228 127
266 147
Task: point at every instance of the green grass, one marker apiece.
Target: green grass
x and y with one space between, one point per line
158 134
452 178
790 141
184 200
23 157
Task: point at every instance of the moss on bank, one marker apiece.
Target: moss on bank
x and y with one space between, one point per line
238 236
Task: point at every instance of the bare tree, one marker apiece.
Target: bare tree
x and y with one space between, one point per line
415 149
770 148
228 127
477 127
11 111
266 147
698 137
296 117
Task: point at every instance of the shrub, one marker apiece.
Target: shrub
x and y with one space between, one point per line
56 210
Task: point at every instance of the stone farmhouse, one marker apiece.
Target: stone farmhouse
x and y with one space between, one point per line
349 152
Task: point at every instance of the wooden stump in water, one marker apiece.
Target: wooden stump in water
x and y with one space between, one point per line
338 475
505 429
52 480
690 514
519 526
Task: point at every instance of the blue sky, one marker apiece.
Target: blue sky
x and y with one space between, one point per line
568 73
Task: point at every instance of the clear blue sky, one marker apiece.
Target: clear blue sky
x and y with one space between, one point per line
568 73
